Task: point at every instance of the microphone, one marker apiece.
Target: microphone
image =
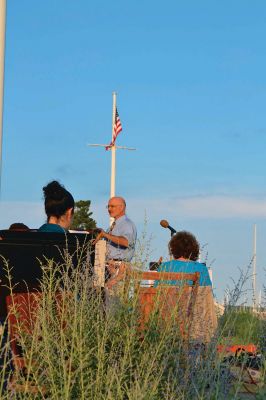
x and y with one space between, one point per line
165 224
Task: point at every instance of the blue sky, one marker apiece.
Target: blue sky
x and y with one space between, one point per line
191 84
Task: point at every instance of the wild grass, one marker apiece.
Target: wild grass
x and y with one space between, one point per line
79 349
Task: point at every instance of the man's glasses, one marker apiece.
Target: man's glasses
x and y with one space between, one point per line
111 206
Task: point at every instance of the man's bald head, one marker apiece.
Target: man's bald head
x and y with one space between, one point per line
119 199
116 207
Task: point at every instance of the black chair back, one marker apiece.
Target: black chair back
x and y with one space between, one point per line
25 251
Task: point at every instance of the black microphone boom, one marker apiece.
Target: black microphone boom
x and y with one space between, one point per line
173 231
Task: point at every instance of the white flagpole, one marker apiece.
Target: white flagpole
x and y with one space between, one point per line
2 66
113 150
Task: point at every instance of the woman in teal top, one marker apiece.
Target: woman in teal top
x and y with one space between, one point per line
59 207
185 249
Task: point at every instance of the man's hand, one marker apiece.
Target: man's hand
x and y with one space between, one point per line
120 240
99 236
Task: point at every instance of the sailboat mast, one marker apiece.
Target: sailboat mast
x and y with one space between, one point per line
2 67
254 266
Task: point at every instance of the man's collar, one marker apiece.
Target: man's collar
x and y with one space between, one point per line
120 218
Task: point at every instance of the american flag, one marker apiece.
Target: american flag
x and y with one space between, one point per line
117 126
117 129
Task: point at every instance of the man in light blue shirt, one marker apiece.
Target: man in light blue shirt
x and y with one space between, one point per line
121 236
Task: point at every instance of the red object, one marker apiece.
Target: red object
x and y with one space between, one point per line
236 348
22 312
22 309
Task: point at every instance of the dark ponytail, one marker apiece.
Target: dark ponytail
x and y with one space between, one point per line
57 200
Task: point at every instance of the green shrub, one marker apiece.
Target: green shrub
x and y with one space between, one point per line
242 326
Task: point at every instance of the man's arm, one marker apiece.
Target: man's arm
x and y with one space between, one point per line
120 240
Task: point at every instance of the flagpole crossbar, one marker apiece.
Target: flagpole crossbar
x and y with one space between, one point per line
97 145
108 147
125 148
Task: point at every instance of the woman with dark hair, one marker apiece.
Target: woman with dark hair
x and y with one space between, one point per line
18 226
184 248
184 245
59 207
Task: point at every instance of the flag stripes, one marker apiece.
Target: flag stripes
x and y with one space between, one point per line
117 128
